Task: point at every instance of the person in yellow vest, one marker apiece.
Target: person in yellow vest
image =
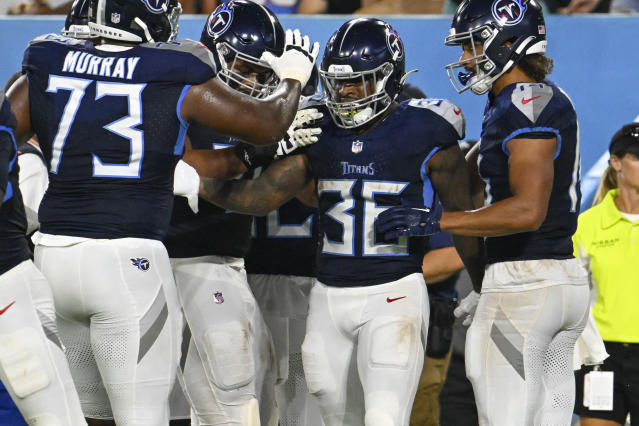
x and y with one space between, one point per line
607 243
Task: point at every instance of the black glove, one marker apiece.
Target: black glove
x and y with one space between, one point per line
440 326
255 156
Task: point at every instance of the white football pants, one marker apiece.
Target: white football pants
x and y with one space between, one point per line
519 351
32 363
228 369
364 350
118 313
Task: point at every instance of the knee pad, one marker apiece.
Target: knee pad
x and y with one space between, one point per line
393 343
318 373
229 354
250 413
44 419
378 418
383 409
23 366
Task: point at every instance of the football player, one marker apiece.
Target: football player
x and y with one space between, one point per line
534 298
368 310
228 368
111 118
33 367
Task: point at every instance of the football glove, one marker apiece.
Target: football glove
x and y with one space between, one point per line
298 135
406 220
467 307
186 183
298 58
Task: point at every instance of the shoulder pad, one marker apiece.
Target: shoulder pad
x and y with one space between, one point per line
189 46
445 109
531 99
56 38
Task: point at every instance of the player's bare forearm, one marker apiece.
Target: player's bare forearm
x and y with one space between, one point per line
280 182
439 264
218 163
449 175
531 173
18 95
256 121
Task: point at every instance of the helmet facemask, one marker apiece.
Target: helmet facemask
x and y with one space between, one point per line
354 113
234 74
479 80
175 11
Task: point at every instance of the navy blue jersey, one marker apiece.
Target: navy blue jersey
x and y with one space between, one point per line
109 126
360 175
213 230
283 242
537 111
13 222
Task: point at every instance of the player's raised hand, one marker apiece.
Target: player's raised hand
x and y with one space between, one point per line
408 220
297 60
467 307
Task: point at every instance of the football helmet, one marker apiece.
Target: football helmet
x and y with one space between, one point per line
365 51
239 32
492 24
77 23
135 21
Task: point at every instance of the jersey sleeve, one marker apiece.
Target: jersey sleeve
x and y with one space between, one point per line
531 113
447 122
199 64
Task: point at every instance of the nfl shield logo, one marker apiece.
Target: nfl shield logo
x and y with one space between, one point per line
218 297
115 18
357 147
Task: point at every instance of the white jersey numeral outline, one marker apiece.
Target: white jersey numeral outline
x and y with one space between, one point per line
123 127
338 212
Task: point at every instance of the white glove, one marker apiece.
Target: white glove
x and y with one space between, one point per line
467 307
297 60
186 183
305 117
297 136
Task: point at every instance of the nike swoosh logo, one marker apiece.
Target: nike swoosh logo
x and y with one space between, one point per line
457 111
2 311
389 300
524 101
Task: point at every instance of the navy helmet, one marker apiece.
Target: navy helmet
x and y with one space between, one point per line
239 32
367 51
135 21
506 30
77 23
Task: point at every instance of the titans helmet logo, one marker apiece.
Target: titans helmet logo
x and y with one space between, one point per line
220 19
509 12
156 5
394 43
